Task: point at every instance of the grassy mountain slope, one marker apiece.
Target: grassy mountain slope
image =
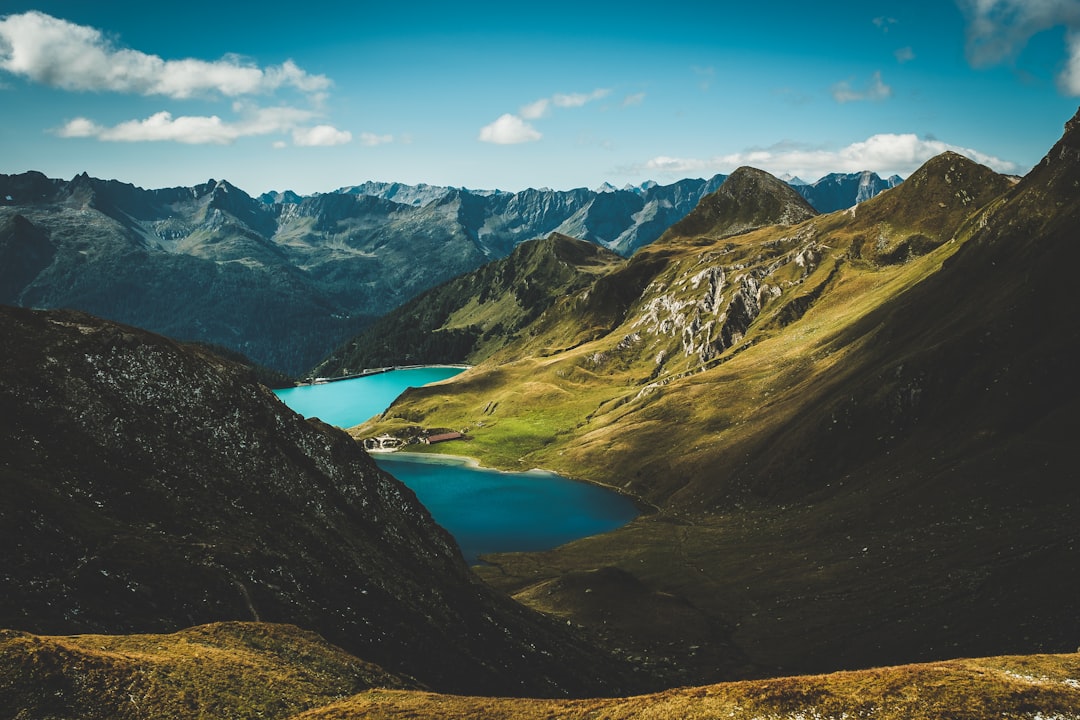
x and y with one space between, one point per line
258 670
151 486
470 317
853 427
1041 686
234 670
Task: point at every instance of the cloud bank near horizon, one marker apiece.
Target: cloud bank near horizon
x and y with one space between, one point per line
886 154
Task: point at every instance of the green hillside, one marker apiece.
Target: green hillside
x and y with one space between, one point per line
470 317
853 427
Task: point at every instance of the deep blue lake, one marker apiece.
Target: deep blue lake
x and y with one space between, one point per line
485 510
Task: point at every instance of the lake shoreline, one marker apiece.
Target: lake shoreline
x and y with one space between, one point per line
643 505
368 372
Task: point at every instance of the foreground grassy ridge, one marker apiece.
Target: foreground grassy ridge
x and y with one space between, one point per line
225 670
254 670
1041 686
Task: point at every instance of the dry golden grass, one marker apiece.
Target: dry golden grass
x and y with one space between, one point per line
1039 686
225 670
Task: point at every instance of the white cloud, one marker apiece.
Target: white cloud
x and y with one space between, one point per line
193 130
875 90
998 31
635 99
55 52
885 154
509 130
372 140
210 130
904 54
320 136
542 107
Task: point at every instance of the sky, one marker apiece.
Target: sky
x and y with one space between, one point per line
506 95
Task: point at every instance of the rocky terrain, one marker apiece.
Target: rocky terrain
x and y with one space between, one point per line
150 487
285 279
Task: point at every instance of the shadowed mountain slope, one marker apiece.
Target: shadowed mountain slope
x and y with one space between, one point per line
149 487
472 316
854 427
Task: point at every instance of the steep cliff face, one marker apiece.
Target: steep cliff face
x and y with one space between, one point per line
150 487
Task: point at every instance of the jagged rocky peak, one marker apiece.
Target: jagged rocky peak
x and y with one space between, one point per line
749 198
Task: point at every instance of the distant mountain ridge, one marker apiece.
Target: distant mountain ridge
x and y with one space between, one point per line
284 279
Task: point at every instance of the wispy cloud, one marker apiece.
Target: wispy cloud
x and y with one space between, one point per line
634 99
998 31
57 53
579 99
904 54
509 130
512 129
368 139
875 90
886 154
884 23
706 74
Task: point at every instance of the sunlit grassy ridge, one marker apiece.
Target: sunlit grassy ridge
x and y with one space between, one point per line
254 670
234 670
852 428
758 311
1042 686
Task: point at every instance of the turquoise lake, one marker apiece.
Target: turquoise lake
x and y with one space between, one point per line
350 402
485 510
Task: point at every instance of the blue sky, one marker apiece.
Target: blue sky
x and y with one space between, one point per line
312 97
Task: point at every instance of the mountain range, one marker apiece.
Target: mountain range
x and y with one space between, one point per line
284 279
852 425
850 433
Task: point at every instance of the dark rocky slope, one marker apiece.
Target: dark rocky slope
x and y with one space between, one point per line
150 487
